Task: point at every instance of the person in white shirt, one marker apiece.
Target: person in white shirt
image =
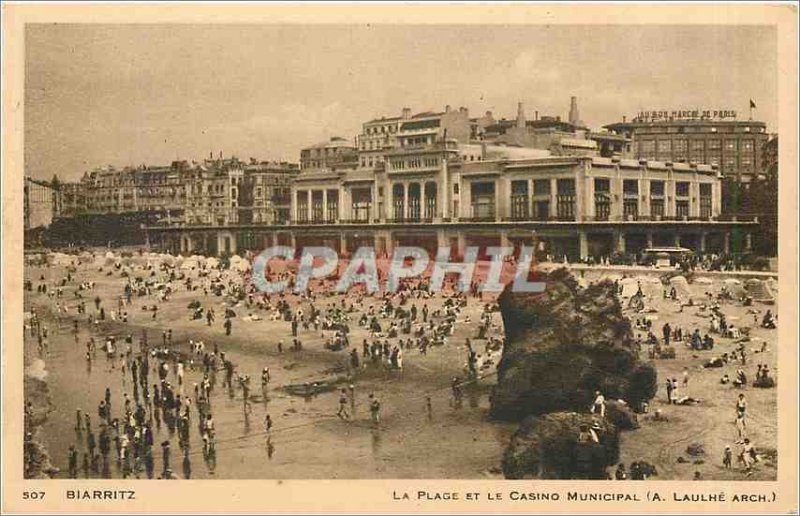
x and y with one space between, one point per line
599 405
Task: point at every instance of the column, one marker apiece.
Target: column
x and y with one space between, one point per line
441 238
345 204
726 241
444 191
580 197
499 199
620 241
422 202
677 239
584 244
342 244
382 245
325 205
748 241
462 242
293 239
649 239
275 239
309 196
703 236
389 243
504 238
405 201
553 194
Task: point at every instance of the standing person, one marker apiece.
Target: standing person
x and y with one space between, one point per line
429 407
245 382
72 459
187 464
455 387
748 456
228 325
342 413
599 404
669 391
268 424
165 453
375 409
727 458
104 442
685 376
741 422
352 389
90 443
85 465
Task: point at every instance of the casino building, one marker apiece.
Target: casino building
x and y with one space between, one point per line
734 146
440 191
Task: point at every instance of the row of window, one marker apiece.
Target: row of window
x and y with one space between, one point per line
699 145
411 141
383 129
698 129
402 164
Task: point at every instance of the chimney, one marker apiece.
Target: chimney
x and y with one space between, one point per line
211 155
406 113
447 108
623 118
520 115
488 114
463 110
573 111
536 115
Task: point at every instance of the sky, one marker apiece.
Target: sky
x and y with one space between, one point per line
98 95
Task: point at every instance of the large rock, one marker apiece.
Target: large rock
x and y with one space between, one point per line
547 447
564 344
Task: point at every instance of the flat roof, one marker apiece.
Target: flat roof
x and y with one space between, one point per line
684 122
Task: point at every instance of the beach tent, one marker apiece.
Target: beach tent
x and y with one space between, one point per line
681 286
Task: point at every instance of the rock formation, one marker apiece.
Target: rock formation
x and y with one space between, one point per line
564 344
561 347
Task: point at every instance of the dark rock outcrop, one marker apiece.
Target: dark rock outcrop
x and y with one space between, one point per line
548 447
564 344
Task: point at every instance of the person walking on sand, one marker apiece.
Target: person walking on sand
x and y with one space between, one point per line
375 409
748 456
727 457
342 413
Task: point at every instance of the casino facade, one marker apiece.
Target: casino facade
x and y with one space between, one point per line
446 193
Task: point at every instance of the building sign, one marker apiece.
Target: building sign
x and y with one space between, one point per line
695 114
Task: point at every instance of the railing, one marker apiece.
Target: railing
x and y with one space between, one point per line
477 219
407 220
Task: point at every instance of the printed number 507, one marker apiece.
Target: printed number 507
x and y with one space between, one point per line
33 495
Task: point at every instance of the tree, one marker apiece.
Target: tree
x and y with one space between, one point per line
55 183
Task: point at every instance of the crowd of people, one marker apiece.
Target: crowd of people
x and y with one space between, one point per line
153 396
